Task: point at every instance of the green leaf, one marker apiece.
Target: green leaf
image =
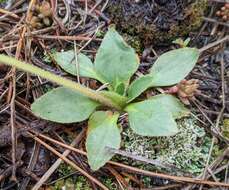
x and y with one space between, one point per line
170 68
150 118
186 42
172 104
173 66
115 60
64 106
138 86
120 88
67 61
115 97
102 132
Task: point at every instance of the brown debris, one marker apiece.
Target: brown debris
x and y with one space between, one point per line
42 15
185 90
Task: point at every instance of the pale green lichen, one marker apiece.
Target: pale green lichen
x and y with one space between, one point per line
188 150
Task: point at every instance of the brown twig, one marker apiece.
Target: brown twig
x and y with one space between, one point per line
73 38
13 94
216 21
226 38
3 11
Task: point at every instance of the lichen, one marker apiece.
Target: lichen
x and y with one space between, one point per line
188 150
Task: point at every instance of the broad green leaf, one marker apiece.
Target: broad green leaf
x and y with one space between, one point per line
150 118
173 66
67 61
170 68
102 132
115 60
115 97
172 104
64 106
138 86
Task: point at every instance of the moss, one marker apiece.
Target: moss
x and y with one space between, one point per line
225 128
188 150
58 185
157 25
79 182
72 183
47 58
82 183
109 183
100 34
134 42
64 169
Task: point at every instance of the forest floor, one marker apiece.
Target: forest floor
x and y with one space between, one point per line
196 158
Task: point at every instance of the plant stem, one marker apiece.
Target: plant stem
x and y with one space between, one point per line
94 95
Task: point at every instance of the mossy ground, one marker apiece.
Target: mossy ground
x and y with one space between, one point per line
78 182
188 151
137 20
72 183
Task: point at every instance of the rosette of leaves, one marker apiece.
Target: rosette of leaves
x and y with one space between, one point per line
115 63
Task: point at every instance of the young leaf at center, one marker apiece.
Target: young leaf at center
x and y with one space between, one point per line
138 86
115 97
102 132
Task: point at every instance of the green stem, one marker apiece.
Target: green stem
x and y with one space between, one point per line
59 80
